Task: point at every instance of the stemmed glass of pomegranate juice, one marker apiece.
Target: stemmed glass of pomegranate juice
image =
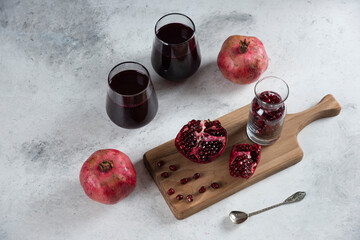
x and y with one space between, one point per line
175 53
131 99
267 110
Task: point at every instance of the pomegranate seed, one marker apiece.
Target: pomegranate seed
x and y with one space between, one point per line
189 198
165 174
179 197
172 167
215 185
202 189
160 163
184 180
196 176
171 191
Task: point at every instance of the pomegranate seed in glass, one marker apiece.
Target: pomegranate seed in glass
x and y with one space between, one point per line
267 110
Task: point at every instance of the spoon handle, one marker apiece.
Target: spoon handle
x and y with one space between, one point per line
296 197
266 209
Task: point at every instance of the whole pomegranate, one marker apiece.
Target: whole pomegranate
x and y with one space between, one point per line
242 59
201 141
108 176
244 159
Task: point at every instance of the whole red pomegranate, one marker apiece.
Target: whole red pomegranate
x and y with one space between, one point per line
108 176
201 141
242 59
244 159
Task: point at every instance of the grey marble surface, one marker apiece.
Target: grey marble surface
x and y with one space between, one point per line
54 61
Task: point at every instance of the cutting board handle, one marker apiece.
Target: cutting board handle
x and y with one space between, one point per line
327 107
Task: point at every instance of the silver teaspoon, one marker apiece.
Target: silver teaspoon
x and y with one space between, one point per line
240 217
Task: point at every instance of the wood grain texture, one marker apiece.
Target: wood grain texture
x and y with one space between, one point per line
282 154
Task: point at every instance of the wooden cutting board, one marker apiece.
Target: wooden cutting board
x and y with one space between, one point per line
282 154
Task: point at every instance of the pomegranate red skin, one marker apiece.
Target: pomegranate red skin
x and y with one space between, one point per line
242 64
111 186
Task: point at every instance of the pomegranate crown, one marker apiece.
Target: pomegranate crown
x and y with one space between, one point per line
105 165
244 46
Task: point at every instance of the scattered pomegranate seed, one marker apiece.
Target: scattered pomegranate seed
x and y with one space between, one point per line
196 176
165 174
171 191
202 189
172 167
179 197
184 180
215 185
189 198
160 163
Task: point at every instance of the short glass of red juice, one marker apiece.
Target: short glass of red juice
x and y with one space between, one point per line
267 110
131 99
175 53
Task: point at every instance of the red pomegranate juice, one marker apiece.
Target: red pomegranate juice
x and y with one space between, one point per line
130 103
178 57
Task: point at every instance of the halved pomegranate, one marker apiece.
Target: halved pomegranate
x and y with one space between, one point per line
201 141
244 159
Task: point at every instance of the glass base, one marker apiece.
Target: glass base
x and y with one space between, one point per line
260 141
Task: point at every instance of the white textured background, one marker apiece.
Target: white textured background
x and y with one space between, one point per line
54 61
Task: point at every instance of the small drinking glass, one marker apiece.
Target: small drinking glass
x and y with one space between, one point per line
131 99
175 53
267 110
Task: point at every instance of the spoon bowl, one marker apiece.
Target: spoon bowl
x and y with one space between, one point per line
238 217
